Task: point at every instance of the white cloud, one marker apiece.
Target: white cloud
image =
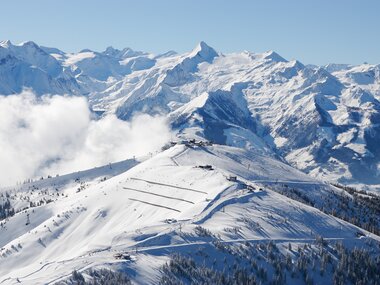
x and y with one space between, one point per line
56 134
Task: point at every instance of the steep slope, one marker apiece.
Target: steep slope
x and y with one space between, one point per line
155 91
222 117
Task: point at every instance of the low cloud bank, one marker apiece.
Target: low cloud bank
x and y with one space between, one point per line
57 134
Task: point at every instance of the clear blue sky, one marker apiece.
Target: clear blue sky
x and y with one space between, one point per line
313 31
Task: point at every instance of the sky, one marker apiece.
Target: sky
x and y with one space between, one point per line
315 32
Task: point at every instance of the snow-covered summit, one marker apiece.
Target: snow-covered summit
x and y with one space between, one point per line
273 56
5 43
204 51
122 54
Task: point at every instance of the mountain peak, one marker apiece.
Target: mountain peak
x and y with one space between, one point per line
167 54
86 50
111 50
29 44
121 54
202 45
273 56
204 51
5 43
296 63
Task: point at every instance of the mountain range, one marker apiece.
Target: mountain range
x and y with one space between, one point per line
321 120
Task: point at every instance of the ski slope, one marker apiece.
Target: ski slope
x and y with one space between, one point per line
152 208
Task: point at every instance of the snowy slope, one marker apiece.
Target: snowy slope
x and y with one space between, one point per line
152 210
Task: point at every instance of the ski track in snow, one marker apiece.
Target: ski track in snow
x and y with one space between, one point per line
168 185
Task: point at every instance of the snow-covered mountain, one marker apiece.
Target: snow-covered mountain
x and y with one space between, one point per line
322 120
28 66
255 206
